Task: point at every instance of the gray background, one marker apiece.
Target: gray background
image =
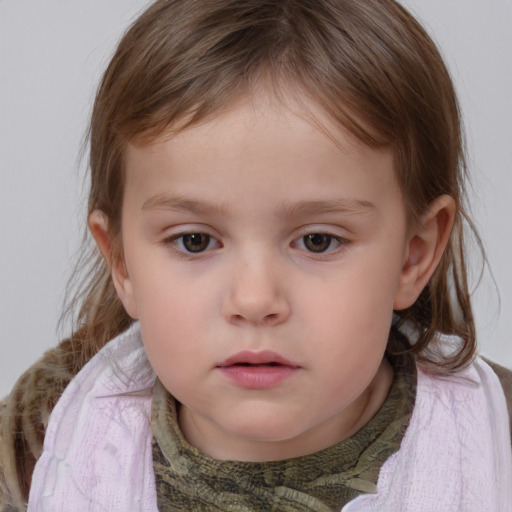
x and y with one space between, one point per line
52 53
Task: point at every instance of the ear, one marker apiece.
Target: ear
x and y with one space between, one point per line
425 247
98 226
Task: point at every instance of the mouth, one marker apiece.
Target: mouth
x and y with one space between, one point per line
257 370
251 359
257 365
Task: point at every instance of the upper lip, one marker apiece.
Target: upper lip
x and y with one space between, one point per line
256 357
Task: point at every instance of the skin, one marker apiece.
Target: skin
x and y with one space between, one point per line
256 181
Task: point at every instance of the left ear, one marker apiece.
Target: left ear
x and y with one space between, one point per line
426 244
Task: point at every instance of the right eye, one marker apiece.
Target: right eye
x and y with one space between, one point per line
193 243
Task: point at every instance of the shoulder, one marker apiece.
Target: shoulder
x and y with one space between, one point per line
505 377
473 397
456 444
24 416
493 389
101 426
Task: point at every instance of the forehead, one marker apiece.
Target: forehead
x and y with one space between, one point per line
260 145
264 95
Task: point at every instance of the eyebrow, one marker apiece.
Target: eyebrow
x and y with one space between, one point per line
286 209
185 204
328 206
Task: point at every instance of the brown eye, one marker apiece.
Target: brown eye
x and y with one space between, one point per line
317 242
195 242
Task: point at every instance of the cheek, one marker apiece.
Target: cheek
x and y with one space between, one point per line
359 299
175 318
169 318
162 293
169 342
352 316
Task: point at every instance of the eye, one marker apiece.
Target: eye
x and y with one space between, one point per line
193 242
319 242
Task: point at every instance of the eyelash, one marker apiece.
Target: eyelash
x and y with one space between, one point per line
327 237
179 240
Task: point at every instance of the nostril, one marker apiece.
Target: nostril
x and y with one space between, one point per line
271 318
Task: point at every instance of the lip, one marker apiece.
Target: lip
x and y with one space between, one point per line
256 357
257 370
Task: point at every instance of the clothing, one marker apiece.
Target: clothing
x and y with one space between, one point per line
98 443
97 450
24 416
319 482
25 413
457 442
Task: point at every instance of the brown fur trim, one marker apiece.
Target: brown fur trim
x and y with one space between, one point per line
505 377
24 417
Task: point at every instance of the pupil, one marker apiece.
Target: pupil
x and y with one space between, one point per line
317 242
196 242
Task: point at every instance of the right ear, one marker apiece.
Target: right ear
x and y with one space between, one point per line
98 226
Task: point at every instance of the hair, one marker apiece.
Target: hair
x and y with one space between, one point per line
367 63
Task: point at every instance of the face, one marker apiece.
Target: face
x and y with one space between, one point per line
263 260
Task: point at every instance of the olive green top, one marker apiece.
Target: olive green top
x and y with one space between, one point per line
187 479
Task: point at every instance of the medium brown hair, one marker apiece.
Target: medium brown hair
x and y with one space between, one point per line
367 63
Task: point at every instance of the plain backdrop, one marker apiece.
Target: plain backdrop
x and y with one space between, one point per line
52 54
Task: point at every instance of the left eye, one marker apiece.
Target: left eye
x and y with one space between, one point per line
319 242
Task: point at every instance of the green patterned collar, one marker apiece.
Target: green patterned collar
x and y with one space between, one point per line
187 479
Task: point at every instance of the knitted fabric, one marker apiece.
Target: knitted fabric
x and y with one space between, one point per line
455 455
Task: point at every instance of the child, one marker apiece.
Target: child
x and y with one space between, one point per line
280 316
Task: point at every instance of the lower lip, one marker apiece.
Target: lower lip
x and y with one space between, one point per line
258 377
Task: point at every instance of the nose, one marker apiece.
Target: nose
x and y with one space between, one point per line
256 293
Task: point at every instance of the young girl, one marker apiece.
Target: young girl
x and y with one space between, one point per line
278 315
